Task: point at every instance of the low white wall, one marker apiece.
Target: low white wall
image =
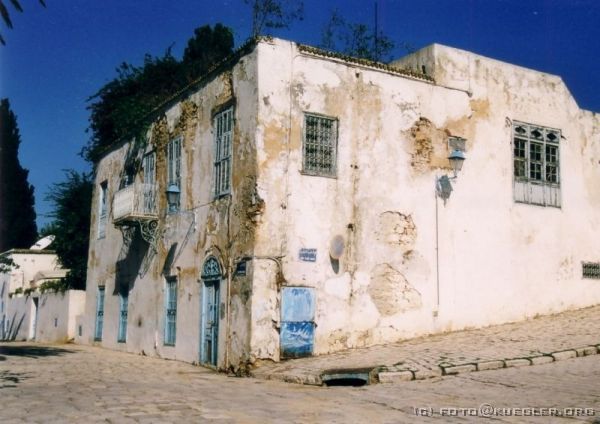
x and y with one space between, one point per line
57 315
19 318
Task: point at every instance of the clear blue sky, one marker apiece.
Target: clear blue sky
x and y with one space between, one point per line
56 57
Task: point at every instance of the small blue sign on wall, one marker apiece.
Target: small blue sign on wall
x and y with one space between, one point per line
308 255
240 268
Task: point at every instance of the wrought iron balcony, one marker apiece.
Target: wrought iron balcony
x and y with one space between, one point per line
135 203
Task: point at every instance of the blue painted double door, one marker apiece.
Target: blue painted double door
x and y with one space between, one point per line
297 331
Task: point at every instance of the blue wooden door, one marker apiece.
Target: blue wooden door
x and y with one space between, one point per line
297 322
210 323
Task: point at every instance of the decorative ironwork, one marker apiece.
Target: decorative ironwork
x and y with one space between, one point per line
590 270
149 231
211 269
320 145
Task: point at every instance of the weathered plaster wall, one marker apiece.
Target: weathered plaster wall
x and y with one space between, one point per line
498 260
56 315
203 227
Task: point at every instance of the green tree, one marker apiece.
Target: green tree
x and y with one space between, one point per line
355 39
274 14
6 14
17 214
207 47
71 200
7 264
121 107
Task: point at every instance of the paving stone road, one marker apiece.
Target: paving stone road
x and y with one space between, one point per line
572 333
81 384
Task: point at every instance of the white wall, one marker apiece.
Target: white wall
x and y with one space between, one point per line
498 260
57 314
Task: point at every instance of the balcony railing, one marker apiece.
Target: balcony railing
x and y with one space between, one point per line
136 202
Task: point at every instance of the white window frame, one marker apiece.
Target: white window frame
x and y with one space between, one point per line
536 164
223 123
170 331
102 209
319 145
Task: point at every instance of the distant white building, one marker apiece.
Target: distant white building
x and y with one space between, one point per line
27 314
298 202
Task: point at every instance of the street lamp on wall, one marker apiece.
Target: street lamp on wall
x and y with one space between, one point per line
443 186
456 158
173 194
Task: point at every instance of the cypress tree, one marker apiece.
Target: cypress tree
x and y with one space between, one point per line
17 214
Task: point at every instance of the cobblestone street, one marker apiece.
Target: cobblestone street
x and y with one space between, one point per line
530 342
70 383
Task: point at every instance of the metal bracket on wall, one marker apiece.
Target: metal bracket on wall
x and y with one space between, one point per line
150 233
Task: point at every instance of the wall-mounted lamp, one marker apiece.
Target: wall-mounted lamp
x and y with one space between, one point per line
443 187
456 158
173 193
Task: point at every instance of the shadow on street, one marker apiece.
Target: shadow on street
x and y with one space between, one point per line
30 351
9 380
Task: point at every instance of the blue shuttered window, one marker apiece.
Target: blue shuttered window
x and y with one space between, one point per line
99 314
123 304
170 311
223 129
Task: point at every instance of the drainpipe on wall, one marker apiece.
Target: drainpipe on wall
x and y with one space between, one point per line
437 253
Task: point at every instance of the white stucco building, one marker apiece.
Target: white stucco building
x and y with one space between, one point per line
309 211
27 314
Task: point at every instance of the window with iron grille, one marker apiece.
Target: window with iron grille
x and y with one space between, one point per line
319 149
536 164
170 311
123 304
174 164
591 270
223 129
99 313
103 209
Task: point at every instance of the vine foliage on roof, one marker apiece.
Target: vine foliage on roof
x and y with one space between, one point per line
120 109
